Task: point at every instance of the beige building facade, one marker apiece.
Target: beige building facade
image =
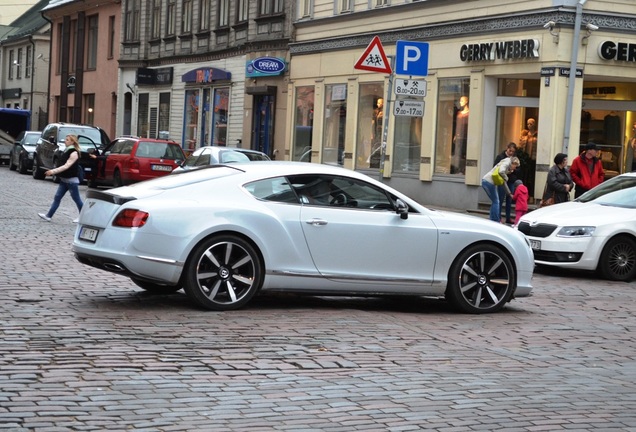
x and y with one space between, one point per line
497 73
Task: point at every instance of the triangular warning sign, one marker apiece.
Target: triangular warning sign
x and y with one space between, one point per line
373 59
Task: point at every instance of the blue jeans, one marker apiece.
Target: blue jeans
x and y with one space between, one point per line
62 188
493 194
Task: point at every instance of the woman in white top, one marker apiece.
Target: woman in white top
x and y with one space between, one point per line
505 166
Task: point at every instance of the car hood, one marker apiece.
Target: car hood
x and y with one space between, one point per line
577 213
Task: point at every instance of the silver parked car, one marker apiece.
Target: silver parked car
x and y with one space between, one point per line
225 232
210 155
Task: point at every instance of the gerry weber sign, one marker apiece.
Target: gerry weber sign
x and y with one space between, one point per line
507 50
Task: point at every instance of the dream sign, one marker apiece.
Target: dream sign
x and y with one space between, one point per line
265 66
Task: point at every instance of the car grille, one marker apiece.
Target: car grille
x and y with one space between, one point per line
541 230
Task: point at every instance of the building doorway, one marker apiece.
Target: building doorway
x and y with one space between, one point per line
263 128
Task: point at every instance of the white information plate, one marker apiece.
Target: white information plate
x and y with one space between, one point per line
161 167
405 87
409 108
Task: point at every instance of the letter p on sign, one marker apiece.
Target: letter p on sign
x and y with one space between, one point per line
411 58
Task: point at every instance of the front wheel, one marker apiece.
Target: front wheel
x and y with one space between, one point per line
481 280
22 167
12 166
223 273
618 259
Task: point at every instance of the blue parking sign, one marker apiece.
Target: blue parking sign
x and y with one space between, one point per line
411 58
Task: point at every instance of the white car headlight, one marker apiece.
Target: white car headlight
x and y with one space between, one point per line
576 231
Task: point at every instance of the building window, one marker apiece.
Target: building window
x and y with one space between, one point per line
220 116
334 127
370 125
18 64
111 37
304 8
12 62
89 114
28 62
380 3
304 123
171 17
164 114
270 7
155 32
191 120
204 15
142 116
452 126
186 16
91 45
345 6
224 13
133 22
242 10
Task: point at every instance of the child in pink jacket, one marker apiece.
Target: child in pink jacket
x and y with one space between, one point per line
520 197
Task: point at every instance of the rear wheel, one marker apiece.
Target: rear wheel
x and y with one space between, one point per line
618 259
481 280
22 169
155 288
117 181
37 173
223 273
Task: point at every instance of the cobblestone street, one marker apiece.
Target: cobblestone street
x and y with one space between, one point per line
85 350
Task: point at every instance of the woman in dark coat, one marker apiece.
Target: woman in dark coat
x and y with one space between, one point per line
559 181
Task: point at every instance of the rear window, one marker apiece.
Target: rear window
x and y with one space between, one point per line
156 150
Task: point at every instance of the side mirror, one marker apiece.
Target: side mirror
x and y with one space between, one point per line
402 209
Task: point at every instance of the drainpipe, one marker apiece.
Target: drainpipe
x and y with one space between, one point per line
572 79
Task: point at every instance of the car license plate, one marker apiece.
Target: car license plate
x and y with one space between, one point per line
535 244
161 168
88 234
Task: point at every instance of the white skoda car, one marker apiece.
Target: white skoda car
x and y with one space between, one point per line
597 231
224 233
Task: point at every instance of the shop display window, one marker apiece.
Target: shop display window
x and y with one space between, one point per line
452 126
370 125
304 123
335 120
407 144
219 116
191 120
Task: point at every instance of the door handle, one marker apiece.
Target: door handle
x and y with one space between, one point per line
316 222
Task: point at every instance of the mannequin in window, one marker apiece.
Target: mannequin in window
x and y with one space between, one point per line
458 158
528 139
631 151
377 122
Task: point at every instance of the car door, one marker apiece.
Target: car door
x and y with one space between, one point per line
354 233
47 147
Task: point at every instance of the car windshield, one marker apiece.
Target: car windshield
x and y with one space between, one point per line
230 156
158 150
617 192
31 139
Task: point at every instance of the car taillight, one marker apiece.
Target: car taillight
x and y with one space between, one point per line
134 163
131 218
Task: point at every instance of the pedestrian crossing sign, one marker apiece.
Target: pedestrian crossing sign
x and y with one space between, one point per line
374 59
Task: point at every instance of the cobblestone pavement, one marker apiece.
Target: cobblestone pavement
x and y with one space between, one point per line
84 350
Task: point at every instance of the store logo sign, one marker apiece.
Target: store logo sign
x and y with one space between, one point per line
619 51
507 50
263 66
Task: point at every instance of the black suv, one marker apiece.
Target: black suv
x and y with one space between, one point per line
50 147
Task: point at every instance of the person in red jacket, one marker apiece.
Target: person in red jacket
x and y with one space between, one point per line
520 197
587 170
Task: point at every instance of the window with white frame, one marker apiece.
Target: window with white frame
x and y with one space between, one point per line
18 64
171 18
186 16
224 13
380 3
270 7
28 62
204 15
91 43
133 23
345 6
155 30
242 10
304 8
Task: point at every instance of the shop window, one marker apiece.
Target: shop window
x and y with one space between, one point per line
164 115
334 127
304 123
142 115
219 119
191 117
370 125
519 88
452 126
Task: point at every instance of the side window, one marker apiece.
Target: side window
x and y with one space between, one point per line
127 147
274 189
335 191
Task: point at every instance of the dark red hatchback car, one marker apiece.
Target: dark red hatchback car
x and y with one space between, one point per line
133 159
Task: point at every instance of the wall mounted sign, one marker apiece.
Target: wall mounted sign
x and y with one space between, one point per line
619 51
206 75
162 76
507 50
265 66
